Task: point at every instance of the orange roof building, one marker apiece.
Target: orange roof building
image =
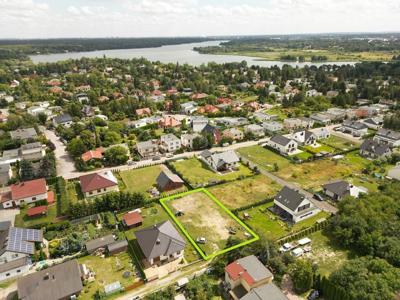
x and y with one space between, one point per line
93 154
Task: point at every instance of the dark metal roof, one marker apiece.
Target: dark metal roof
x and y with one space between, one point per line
389 134
281 140
290 198
99 243
267 291
340 188
167 176
117 245
374 147
64 118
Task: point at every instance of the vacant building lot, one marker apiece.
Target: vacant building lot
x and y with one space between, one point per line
264 158
338 143
202 217
245 192
197 173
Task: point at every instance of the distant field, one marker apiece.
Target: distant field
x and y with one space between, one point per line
264 158
198 173
244 192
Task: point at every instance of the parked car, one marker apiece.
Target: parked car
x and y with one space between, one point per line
156 158
318 197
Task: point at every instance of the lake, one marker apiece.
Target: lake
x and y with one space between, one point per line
172 54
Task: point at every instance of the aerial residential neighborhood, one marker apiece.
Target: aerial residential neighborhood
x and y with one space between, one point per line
192 150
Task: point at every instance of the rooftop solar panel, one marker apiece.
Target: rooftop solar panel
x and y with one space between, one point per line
22 240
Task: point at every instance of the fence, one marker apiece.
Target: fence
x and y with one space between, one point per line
302 233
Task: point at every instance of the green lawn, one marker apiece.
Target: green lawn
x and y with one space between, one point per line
22 220
264 158
153 215
241 193
338 143
198 173
268 225
303 156
279 111
74 191
108 270
322 147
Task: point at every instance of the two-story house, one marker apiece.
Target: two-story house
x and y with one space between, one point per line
339 189
63 119
355 128
188 138
170 143
255 129
233 133
224 161
372 149
304 137
283 144
32 151
96 184
147 148
388 137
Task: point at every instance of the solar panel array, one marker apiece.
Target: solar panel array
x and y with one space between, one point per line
22 240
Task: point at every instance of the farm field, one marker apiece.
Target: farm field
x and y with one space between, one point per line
264 158
107 270
268 225
22 220
245 192
197 173
203 218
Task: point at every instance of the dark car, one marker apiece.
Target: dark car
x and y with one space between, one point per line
318 197
313 295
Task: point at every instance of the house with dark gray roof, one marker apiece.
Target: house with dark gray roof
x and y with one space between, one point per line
372 149
160 244
103 242
293 206
355 128
266 291
304 137
388 137
62 281
337 190
24 134
63 119
283 144
168 181
223 161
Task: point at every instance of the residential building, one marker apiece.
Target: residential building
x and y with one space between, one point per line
25 192
24 134
283 144
321 118
304 137
233 133
247 278
143 112
132 219
188 138
224 161
62 281
37 110
373 123
355 128
214 132
93 155
32 151
170 143
372 149
293 205
63 119
336 114
255 129
147 148
117 247
262 117
102 242
96 184
332 94
337 190
313 93
189 107
321 133
272 126
160 244
387 137
297 123
5 173
168 181
16 247
169 122
198 123
88 111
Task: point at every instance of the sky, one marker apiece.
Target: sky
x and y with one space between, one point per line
148 18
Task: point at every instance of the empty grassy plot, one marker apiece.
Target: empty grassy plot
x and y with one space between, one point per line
320 148
338 143
197 173
264 158
245 192
207 223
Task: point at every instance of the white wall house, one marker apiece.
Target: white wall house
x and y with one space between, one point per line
283 144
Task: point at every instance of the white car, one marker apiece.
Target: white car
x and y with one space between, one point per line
286 247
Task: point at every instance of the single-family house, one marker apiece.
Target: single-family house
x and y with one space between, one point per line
296 123
214 132
32 151
96 154
96 184
102 242
198 123
170 143
223 161
337 190
25 192
372 149
189 107
387 137
293 205
88 111
355 128
233 133
373 123
168 181
5 173
255 129
272 126
132 219
16 245
143 112
63 119
336 114
147 148
283 144
24 134
321 133
37 110
321 118
304 137
188 138
169 122
160 244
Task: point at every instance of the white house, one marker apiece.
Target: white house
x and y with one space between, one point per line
283 144
170 143
223 161
321 133
355 128
388 137
25 192
96 184
188 138
304 137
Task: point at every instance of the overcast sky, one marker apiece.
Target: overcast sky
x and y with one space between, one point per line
138 18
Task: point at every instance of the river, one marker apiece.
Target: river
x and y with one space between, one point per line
172 54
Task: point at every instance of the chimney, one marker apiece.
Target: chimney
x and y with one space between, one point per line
158 241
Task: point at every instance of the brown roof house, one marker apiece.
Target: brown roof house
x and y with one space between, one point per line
168 181
61 281
25 192
98 183
161 244
132 219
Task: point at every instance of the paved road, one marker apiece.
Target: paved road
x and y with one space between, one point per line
323 205
65 164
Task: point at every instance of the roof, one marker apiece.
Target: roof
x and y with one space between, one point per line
308 134
205 154
281 140
28 188
5 168
13 264
31 146
97 181
38 210
267 291
57 282
249 268
17 239
146 145
167 176
290 198
50 197
355 125
23 133
64 118
374 147
132 218
159 239
169 138
99 243
93 154
226 157
117 245
340 188
389 134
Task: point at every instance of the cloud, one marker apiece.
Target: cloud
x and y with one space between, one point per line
21 10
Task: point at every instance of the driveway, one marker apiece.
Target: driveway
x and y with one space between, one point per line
65 163
8 215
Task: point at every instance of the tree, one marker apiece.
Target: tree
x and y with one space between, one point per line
26 170
111 138
302 275
42 117
48 166
76 147
116 155
200 143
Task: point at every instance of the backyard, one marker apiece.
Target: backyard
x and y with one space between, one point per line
202 217
197 173
22 220
245 192
264 158
338 143
74 191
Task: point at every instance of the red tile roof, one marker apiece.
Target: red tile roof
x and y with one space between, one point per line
38 210
95 181
168 121
50 197
93 154
143 111
132 218
5 197
28 189
236 271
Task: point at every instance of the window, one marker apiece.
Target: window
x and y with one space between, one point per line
104 189
8 274
304 207
90 193
99 190
33 198
18 271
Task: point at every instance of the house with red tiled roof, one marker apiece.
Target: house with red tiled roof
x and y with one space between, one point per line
169 122
25 192
37 211
199 96
96 184
143 112
93 154
208 109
